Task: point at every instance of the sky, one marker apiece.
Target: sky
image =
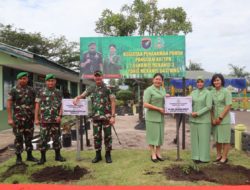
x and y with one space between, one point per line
220 34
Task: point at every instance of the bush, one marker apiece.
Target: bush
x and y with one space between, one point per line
119 103
125 95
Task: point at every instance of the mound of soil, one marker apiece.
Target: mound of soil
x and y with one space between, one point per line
15 169
222 174
5 154
58 173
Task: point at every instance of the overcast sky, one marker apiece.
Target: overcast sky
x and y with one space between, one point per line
220 34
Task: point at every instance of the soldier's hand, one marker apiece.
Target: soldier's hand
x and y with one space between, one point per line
82 64
58 119
11 122
76 100
87 61
37 122
112 121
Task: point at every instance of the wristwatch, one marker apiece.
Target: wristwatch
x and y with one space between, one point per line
113 115
220 118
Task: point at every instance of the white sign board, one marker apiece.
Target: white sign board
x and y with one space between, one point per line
70 109
232 117
178 104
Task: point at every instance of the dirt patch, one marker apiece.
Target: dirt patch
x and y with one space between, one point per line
58 173
222 174
15 169
5 154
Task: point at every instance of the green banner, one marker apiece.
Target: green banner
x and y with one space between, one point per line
133 56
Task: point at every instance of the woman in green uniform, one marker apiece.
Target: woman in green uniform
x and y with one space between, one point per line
200 122
154 103
222 101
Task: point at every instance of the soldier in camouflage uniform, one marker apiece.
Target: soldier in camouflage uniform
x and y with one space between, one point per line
21 101
49 103
103 115
91 61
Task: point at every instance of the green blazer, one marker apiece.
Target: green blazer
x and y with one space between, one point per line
154 96
202 104
221 98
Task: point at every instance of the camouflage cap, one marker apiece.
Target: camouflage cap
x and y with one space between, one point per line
22 74
50 76
98 73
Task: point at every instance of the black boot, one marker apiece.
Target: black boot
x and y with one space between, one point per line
58 156
30 157
18 159
108 157
98 157
43 158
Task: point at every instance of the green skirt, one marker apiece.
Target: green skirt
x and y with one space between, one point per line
154 133
200 141
222 133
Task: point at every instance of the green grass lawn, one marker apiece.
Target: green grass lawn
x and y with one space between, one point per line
129 167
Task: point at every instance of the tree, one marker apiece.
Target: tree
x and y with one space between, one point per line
194 66
145 18
154 21
57 49
238 71
115 24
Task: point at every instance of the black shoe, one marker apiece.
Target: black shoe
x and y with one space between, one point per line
160 159
18 159
221 162
204 162
154 160
108 157
218 159
197 161
58 156
30 157
98 157
43 158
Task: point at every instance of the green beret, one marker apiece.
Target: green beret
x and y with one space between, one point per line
50 76
22 74
98 73
200 78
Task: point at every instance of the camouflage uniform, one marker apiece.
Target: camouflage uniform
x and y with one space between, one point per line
95 61
101 110
112 68
50 104
23 99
